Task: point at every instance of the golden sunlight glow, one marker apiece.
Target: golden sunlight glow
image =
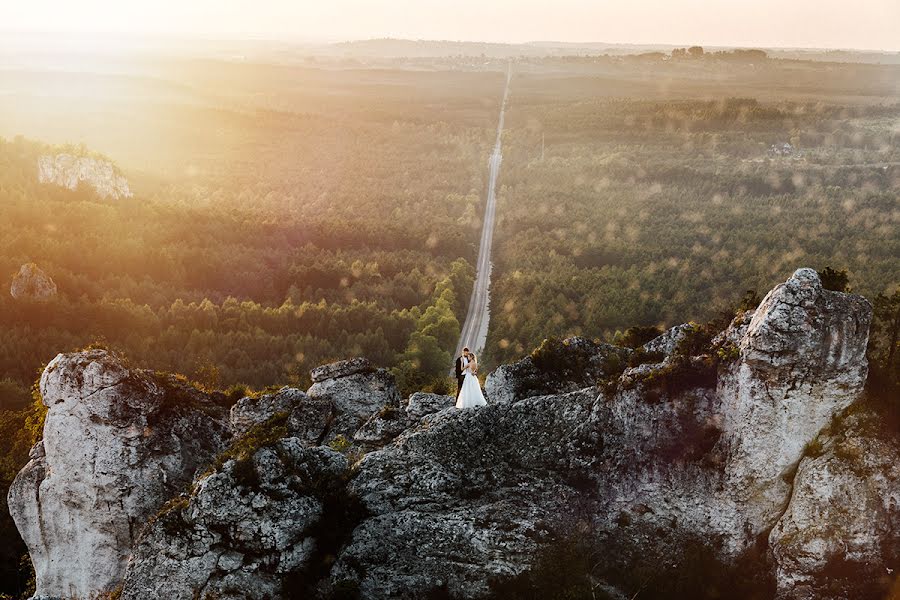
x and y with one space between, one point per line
773 23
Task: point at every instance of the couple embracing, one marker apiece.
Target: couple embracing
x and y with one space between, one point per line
468 389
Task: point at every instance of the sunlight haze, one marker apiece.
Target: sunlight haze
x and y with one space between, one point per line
869 24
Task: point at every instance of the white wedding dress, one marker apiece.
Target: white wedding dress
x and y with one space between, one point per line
470 395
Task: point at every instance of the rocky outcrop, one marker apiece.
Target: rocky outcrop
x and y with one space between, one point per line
243 529
388 423
838 537
422 404
802 361
666 343
32 283
650 467
69 171
307 420
356 389
747 469
118 442
557 367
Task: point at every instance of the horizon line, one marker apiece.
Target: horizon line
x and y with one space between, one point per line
300 39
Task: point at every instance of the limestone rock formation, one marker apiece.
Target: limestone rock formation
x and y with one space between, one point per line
840 528
69 171
752 463
356 389
556 367
421 404
802 361
658 464
32 283
666 343
242 530
118 442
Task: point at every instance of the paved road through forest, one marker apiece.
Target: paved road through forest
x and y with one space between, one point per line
475 327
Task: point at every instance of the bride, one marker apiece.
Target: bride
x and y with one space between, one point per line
470 395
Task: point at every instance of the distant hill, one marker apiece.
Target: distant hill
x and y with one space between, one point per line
395 48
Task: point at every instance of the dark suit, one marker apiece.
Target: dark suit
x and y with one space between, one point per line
459 375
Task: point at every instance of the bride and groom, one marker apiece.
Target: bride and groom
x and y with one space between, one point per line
468 389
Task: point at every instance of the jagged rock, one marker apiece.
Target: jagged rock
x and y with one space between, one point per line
802 360
32 283
666 343
68 171
555 368
251 410
308 419
838 537
382 427
735 331
387 424
690 459
343 368
481 492
357 391
463 498
243 530
422 403
311 420
117 443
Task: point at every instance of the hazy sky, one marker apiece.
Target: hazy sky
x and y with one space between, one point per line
806 23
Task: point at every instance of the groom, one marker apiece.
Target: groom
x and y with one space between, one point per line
460 365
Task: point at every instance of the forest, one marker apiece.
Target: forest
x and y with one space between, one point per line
665 207
289 215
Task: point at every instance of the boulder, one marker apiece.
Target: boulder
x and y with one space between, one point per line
666 343
251 410
118 442
421 404
32 283
244 529
557 367
340 369
356 389
308 420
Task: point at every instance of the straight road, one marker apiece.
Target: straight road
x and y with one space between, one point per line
475 328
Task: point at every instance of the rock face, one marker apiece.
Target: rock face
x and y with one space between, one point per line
668 341
840 526
243 529
69 171
32 283
682 454
802 360
356 389
421 404
750 470
117 443
556 367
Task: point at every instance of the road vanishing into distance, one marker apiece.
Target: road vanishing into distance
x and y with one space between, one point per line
475 327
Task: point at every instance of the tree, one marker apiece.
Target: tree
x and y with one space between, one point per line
639 335
887 321
695 51
837 281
